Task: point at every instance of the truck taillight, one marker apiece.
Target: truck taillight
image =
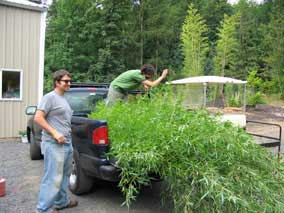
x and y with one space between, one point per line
100 136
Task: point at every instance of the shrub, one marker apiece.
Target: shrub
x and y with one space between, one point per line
22 133
235 100
257 98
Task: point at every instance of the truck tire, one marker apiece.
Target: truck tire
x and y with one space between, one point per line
79 182
35 152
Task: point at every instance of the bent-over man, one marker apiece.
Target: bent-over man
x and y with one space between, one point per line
131 80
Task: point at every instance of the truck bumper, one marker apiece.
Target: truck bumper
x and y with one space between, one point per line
99 168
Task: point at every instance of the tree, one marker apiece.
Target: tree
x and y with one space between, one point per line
226 49
158 26
213 13
107 34
248 33
62 39
194 43
89 38
97 40
275 39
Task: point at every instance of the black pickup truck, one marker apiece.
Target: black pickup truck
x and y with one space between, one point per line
89 139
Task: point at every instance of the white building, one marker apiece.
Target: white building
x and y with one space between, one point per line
22 35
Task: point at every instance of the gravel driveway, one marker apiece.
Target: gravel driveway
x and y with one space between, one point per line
23 178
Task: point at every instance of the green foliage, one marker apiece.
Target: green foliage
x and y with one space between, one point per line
275 43
87 39
63 44
157 32
208 166
98 40
255 98
249 55
255 86
253 81
213 12
22 133
194 43
235 100
226 49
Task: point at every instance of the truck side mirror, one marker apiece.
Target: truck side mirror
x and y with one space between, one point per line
30 110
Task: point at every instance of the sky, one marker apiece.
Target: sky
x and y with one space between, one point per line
235 1
49 2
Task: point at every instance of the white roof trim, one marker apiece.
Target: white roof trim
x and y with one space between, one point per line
207 79
41 54
24 4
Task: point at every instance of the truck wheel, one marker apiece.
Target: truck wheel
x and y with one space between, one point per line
35 152
79 182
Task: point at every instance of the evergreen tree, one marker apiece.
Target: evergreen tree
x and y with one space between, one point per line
213 12
248 36
107 38
158 26
97 40
89 38
64 21
275 39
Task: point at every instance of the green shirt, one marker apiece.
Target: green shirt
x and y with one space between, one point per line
128 80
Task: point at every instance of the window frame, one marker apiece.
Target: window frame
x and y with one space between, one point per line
20 86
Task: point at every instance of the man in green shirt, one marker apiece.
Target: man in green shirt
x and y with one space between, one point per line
131 80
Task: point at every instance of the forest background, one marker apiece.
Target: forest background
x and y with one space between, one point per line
96 40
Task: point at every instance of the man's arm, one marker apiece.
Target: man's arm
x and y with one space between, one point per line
157 81
40 119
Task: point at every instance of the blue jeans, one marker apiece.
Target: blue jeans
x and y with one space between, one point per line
57 169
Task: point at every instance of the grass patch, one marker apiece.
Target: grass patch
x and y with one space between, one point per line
274 100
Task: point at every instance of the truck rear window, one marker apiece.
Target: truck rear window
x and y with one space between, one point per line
84 101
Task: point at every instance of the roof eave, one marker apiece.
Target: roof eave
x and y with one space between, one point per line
40 8
174 83
207 80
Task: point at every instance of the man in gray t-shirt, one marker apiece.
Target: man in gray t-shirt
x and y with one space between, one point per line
54 116
58 116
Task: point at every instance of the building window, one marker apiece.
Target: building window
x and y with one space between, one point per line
10 84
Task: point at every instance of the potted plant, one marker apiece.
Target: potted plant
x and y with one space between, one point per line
23 135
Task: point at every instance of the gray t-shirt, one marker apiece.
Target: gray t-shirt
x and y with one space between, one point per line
58 115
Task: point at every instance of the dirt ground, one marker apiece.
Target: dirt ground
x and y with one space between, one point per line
269 114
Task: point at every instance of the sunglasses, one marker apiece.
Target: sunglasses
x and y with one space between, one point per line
66 81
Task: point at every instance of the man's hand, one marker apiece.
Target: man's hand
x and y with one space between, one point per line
146 88
164 73
58 136
40 119
157 81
